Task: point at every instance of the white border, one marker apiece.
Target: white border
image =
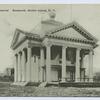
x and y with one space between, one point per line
49 98
49 1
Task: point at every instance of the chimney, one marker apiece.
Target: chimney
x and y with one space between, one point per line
52 15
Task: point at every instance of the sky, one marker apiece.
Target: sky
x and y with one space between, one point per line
87 16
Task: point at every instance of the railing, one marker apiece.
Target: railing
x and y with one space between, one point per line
80 79
59 62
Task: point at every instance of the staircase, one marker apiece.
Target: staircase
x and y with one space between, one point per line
43 84
20 83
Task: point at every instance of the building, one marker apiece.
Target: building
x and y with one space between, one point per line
9 71
53 51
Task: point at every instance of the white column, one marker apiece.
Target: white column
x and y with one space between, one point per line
82 66
83 61
91 66
29 64
23 65
63 64
41 63
19 71
48 63
77 69
15 68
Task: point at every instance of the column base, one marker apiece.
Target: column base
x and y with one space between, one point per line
82 80
63 80
20 83
77 80
90 79
23 79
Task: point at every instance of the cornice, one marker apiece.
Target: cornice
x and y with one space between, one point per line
71 39
19 43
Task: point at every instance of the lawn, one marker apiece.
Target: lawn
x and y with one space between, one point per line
8 90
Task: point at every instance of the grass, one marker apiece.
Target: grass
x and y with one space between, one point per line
18 91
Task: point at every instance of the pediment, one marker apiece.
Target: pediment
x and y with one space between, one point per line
18 36
74 31
70 33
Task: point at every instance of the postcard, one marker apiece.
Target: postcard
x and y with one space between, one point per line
49 50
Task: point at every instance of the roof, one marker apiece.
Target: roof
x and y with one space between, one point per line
70 33
54 29
19 35
46 26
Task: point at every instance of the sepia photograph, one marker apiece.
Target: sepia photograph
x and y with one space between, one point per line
49 50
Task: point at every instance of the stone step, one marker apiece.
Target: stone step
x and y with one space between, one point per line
78 84
33 84
43 84
20 83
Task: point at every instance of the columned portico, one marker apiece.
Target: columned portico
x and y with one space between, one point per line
91 66
77 67
64 63
44 57
48 63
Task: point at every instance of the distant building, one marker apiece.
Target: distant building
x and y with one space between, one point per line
9 71
53 51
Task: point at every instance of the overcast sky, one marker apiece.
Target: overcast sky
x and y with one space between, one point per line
87 16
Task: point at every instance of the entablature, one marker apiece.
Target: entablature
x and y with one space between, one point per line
69 44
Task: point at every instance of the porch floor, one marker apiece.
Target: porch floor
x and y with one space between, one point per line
74 84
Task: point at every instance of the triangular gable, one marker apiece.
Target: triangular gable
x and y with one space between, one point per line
18 36
84 32
78 32
69 33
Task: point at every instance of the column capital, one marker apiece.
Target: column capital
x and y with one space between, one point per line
41 47
91 51
78 49
20 52
83 55
48 44
64 46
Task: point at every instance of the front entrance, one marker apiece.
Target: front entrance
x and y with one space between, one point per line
70 73
55 73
